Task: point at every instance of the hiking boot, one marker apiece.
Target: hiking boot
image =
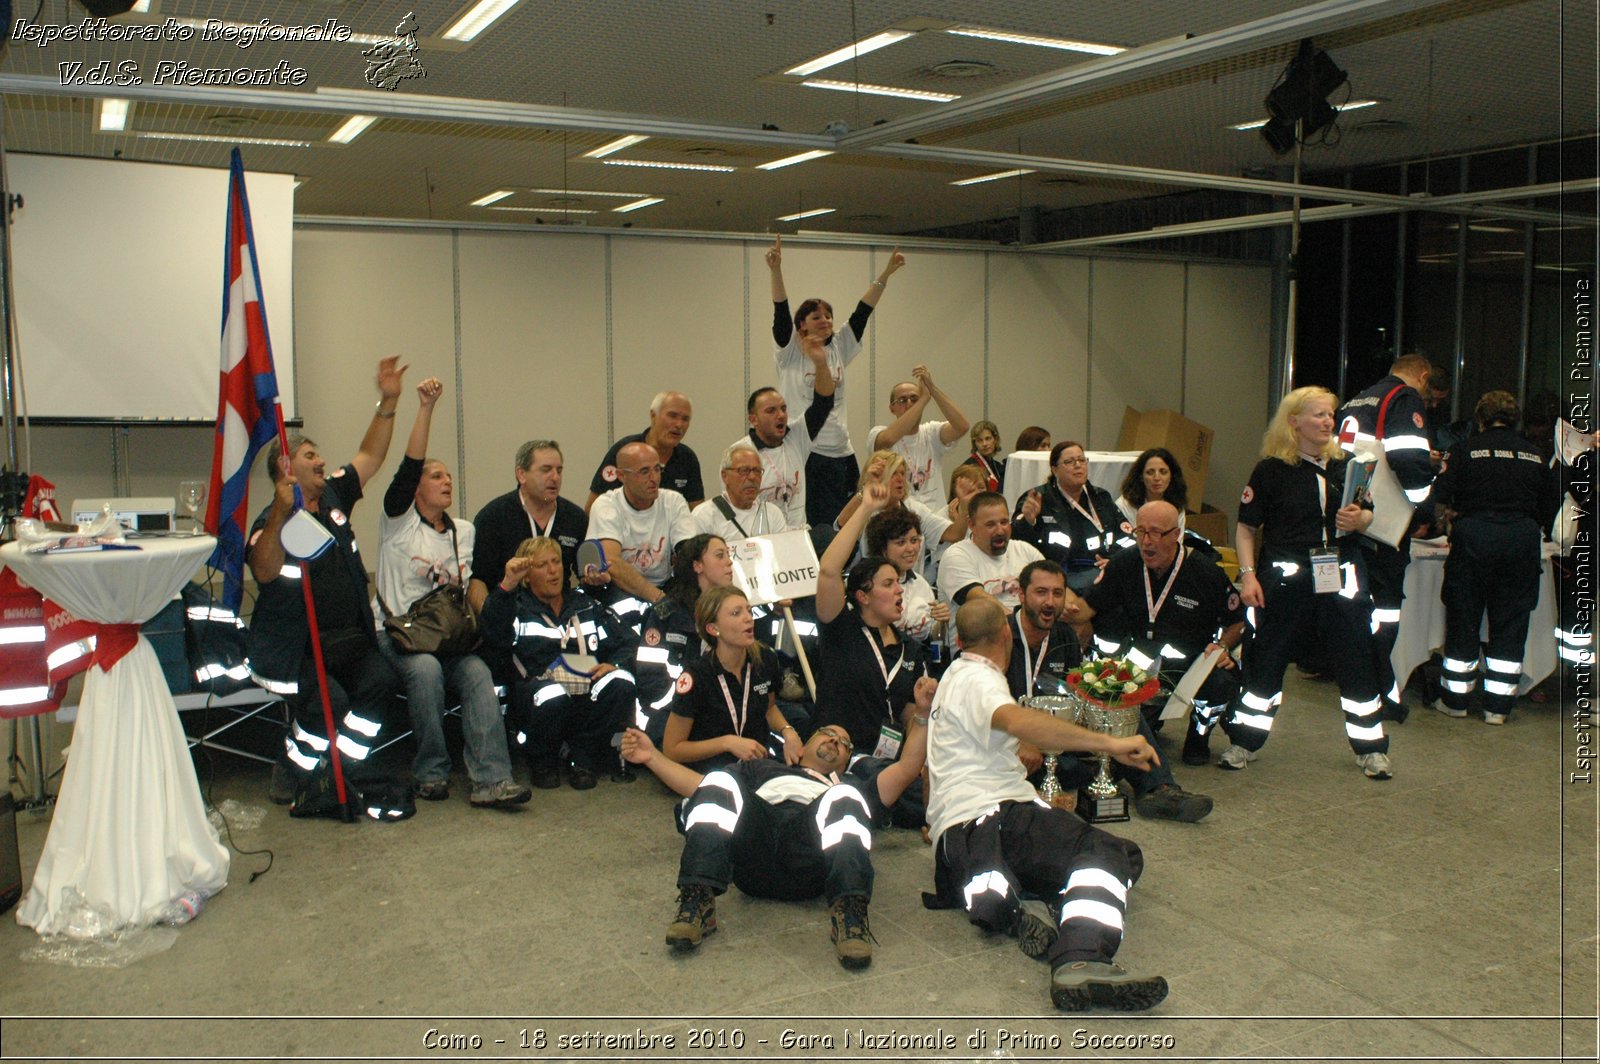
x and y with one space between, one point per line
697 918
1172 802
502 794
1235 758
1034 929
1196 748
580 778
1375 765
433 790
852 938
1081 985
546 777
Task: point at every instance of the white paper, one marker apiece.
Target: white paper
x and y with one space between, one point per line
1188 686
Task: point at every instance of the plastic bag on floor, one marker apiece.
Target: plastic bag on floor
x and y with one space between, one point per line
93 939
240 817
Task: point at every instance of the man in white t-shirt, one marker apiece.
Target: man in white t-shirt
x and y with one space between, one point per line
740 511
988 563
922 445
995 838
783 450
638 527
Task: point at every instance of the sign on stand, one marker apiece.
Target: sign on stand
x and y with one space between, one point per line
782 565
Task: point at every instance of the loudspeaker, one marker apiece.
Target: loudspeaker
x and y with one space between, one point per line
10 857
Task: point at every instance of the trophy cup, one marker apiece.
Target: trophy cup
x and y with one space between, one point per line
1106 804
1056 706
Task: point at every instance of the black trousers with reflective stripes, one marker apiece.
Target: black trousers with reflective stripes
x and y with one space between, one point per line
362 689
786 850
548 717
1494 568
1386 573
1081 872
1344 621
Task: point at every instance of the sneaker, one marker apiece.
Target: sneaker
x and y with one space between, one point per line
546 778
1442 707
580 778
1375 765
433 790
852 938
1172 802
697 918
1082 985
1235 758
1034 929
503 794
1196 748
1494 718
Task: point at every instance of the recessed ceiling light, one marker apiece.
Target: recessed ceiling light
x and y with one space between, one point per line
1348 105
585 192
637 204
267 142
803 157
1034 39
543 210
991 177
879 90
477 18
493 197
114 115
806 214
353 127
650 164
615 146
849 51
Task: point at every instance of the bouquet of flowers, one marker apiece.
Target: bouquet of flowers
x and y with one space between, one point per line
1113 683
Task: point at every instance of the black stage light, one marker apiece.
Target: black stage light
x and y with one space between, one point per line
1301 95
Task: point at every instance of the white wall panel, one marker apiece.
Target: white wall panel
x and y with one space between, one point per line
1135 343
1038 345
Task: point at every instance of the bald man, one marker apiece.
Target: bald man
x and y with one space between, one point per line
670 413
638 527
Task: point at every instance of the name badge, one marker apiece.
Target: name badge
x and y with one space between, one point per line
889 740
1325 572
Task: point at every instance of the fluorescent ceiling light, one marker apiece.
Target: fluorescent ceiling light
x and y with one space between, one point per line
493 197
849 51
648 201
1348 105
269 142
879 90
803 157
648 164
353 127
991 177
1042 42
477 19
806 214
114 115
585 192
615 146
543 210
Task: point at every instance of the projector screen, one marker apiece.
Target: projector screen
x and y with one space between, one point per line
118 281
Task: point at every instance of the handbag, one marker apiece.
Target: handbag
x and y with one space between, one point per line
440 622
1391 510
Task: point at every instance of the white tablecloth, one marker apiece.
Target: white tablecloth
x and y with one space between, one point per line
129 829
1029 469
1422 619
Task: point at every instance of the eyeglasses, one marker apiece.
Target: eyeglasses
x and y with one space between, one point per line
1153 533
1080 460
902 400
646 470
745 471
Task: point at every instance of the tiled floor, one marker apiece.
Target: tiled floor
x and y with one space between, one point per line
1448 913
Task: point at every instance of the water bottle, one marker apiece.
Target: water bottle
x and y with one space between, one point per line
183 908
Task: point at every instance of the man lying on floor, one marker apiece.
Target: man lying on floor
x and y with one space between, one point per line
787 831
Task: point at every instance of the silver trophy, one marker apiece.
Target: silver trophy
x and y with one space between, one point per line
1106 803
1056 706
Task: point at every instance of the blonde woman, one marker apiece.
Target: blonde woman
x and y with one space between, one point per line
1301 568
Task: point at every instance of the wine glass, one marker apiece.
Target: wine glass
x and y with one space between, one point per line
192 494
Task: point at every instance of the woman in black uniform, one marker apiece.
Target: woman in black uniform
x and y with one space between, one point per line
1297 571
1503 495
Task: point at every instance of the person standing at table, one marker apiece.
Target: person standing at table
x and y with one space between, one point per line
831 473
921 445
1310 574
1404 438
362 684
423 548
1070 521
1503 496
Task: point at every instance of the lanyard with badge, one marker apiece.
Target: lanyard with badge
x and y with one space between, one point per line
1152 605
1092 515
1324 562
738 718
1030 668
889 737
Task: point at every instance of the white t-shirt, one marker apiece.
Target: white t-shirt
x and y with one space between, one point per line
783 473
972 766
794 381
966 563
924 453
647 536
759 520
916 599
414 558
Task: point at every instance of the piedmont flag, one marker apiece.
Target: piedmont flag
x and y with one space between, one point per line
247 411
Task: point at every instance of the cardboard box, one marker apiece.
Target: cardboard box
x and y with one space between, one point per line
1211 523
1189 441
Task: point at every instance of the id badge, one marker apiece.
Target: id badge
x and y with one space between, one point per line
1325 572
889 740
